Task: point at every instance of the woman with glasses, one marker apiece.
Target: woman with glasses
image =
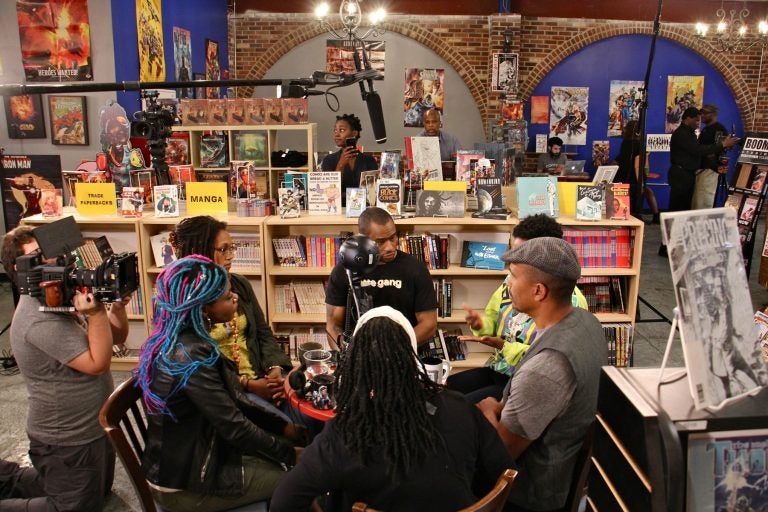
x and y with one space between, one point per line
246 339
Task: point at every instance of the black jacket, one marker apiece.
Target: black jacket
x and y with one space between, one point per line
200 447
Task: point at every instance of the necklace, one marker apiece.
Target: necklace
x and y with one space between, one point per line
232 328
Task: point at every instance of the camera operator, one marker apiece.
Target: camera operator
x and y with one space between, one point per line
64 359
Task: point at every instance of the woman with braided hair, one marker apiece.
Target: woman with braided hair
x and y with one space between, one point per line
398 441
247 338
348 160
208 447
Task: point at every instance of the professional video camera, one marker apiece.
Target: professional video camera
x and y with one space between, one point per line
154 124
55 284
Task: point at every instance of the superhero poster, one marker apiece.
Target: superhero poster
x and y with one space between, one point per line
55 40
182 59
424 90
568 118
212 68
623 105
338 55
149 25
682 92
24 116
24 179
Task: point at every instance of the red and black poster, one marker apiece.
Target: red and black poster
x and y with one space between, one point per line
24 178
55 40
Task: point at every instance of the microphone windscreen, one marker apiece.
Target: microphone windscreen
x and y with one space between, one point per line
373 100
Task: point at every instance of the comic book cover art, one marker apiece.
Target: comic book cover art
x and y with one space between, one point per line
539 110
246 181
132 203
114 134
424 89
389 195
296 110
389 166
727 471
236 111
212 68
601 150
682 92
324 193
617 201
55 40
217 111
149 26
718 333
251 146
568 114
504 73
24 178
423 156
623 105
177 149
68 120
182 59
338 55
288 201
213 151
24 116
52 202
255 111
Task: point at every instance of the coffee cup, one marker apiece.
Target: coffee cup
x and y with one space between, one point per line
322 392
305 347
437 369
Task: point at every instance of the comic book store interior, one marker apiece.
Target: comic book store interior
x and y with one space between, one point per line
502 255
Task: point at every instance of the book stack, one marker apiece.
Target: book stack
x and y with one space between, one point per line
284 299
322 250
601 247
310 296
444 291
87 255
290 251
620 339
432 250
135 306
248 254
457 349
604 294
444 345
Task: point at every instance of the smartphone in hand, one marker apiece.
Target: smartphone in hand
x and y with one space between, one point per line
351 142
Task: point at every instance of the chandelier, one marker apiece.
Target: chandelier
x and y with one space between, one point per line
351 16
731 31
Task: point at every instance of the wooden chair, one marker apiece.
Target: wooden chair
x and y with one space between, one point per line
122 418
492 502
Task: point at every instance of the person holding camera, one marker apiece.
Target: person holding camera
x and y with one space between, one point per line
348 160
64 359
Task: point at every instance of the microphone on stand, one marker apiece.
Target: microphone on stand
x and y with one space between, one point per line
371 97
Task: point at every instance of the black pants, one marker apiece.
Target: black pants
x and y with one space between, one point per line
478 383
682 183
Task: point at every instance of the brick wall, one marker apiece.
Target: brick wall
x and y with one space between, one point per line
258 40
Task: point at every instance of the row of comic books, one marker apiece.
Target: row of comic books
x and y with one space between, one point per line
243 111
604 294
300 297
602 247
432 250
444 292
446 345
620 340
135 306
248 253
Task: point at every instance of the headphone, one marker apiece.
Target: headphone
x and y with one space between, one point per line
297 380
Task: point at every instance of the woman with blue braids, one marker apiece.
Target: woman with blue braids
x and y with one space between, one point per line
208 447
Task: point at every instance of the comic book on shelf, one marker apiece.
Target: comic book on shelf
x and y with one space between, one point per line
288 202
251 146
389 195
356 201
605 173
389 165
487 255
537 194
464 158
177 149
51 202
717 329
132 202
423 157
296 110
324 193
213 150
617 201
166 200
217 111
162 249
255 111
489 197
235 111
589 202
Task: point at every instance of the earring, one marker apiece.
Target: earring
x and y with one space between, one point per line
208 323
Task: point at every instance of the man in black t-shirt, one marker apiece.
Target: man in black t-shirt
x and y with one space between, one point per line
399 280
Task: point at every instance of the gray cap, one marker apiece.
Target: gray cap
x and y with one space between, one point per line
553 256
709 109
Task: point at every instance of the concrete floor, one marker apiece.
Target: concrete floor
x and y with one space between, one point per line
650 341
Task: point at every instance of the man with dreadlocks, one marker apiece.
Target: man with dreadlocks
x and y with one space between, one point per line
348 160
398 441
399 280
208 447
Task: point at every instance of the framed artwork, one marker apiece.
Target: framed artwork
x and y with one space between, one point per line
199 92
69 120
504 73
24 116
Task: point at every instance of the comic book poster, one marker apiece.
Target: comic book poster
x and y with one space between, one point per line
182 59
69 120
727 471
339 55
149 25
539 110
114 134
55 40
424 89
324 193
24 116
568 114
212 69
623 105
504 73
601 150
720 341
24 179
682 92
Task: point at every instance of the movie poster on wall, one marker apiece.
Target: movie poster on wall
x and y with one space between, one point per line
623 105
504 74
149 24
338 55
212 69
424 90
24 116
24 178
568 114
682 92
182 59
55 40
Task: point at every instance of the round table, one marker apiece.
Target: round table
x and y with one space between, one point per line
305 406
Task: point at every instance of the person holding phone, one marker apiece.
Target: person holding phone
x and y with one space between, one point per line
348 159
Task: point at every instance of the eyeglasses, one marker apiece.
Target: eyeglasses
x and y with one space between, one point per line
392 238
228 250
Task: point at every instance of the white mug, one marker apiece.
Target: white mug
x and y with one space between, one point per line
437 369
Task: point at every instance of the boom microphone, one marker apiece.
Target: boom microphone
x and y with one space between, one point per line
373 100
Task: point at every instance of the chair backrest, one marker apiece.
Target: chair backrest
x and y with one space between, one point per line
580 471
492 502
122 418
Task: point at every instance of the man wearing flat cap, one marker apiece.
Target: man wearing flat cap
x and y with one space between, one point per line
707 176
552 397
685 155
